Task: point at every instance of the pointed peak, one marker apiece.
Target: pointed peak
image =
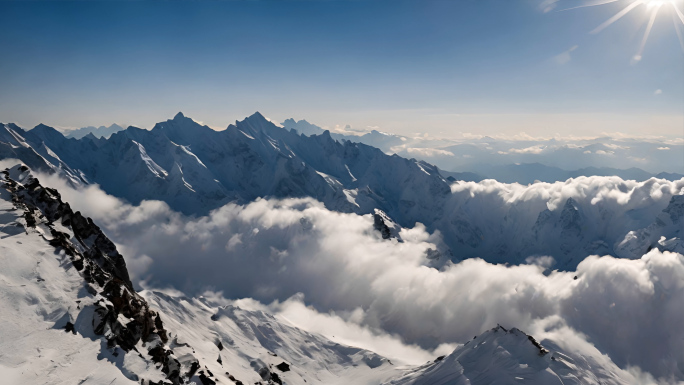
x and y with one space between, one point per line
179 116
258 117
43 128
571 202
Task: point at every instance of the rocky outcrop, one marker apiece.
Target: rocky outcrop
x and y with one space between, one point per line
120 315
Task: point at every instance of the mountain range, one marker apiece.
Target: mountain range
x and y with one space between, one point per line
98 132
196 169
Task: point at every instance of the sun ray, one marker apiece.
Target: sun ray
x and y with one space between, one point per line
590 4
678 12
651 7
617 16
654 13
678 31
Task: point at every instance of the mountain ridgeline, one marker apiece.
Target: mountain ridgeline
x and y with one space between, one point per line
196 169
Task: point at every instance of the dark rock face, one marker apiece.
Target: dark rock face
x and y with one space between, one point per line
379 225
570 219
283 367
675 209
69 327
386 226
122 316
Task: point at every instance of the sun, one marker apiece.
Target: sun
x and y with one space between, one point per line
651 7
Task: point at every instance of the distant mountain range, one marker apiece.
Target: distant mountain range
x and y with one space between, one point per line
97 132
535 172
527 160
196 169
375 138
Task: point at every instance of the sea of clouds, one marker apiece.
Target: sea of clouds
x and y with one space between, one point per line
332 273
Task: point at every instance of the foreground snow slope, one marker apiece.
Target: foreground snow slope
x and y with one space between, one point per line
253 345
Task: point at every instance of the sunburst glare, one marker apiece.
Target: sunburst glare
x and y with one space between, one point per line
651 7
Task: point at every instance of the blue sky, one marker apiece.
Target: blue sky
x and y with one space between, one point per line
441 67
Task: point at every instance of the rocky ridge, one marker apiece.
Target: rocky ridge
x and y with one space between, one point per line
118 314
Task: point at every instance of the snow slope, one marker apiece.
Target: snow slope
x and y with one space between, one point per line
501 356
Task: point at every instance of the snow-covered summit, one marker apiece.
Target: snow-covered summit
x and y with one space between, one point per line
501 356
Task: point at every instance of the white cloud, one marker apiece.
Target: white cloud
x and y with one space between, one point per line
657 92
528 150
428 152
663 148
602 152
614 146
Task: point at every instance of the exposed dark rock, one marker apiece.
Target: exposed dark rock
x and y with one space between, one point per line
206 380
275 379
379 225
193 369
69 327
283 367
123 317
542 351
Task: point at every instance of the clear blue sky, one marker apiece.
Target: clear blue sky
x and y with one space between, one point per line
481 66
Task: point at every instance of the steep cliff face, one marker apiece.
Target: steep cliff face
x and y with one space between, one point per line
107 305
665 233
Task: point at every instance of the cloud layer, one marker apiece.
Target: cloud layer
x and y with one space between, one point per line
272 250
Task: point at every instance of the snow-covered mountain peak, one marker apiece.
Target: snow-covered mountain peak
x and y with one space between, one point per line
302 127
181 129
46 133
501 356
257 123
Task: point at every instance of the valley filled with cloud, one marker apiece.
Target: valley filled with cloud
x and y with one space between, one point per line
333 273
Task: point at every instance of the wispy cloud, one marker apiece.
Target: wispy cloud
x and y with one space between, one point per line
564 58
